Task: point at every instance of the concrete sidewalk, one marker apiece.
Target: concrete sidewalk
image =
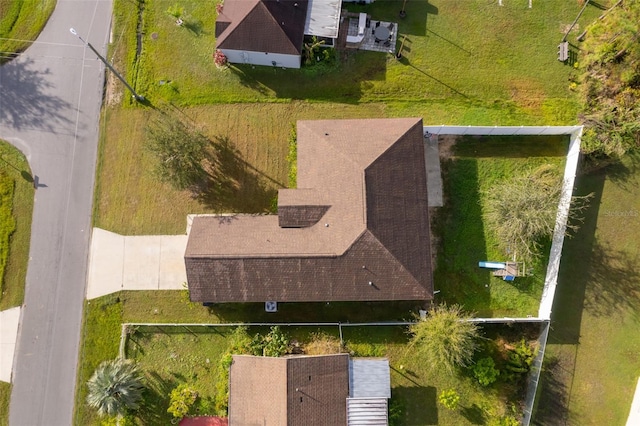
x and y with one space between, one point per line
120 262
434 176
9 320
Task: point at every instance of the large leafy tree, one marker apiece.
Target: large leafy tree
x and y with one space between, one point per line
610 82
445 338
180 151
523 211
115 388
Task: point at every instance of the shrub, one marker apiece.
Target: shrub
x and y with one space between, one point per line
519 361
445 338
219 58
181 400
322 344
449 399
485 372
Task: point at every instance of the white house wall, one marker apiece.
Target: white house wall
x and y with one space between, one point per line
262 58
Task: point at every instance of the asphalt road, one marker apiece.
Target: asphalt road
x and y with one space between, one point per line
50 100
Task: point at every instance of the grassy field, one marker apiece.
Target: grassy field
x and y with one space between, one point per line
476 167
491 73
16 168
169 359
494 59
20 23
593 359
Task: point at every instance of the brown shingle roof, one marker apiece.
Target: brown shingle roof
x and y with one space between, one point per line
309 390
271 26
371 243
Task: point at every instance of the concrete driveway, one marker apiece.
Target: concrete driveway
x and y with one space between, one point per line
135 263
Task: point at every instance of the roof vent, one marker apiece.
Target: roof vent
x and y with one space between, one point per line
271 306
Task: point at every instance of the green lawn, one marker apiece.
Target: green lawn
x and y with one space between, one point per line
172 356
495 61
494 72
478 166
20 23
16 169
592 359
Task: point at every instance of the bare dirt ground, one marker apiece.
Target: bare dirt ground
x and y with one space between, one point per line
113 93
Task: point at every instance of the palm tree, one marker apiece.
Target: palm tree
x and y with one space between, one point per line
115 387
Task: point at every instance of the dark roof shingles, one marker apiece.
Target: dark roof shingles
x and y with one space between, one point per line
251 259
271 26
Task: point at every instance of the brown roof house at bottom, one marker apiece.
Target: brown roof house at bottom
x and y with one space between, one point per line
355 229
262 32
329 390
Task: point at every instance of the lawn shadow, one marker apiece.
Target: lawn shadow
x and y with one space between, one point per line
232 184
27 102
552 395
405 61
460 231
613 278
512 146
317 312
575 265
474 414
419 403
343 82
196 27
156 399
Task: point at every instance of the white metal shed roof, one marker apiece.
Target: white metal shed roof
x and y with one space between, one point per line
369 378
323 18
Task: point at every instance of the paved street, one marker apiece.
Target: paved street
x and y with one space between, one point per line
49 108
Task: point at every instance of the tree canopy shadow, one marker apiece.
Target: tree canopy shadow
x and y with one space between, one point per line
231 183
26 101
614 281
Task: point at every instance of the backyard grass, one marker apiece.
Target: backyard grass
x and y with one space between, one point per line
476 167
170 356
20 23
16 169
592 361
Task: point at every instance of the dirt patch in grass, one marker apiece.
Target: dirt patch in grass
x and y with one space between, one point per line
527 94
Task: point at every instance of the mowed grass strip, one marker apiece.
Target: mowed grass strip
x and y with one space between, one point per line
592 357
20 23
17 213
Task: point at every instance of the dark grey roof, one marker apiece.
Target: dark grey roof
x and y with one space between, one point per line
361 224
271 26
